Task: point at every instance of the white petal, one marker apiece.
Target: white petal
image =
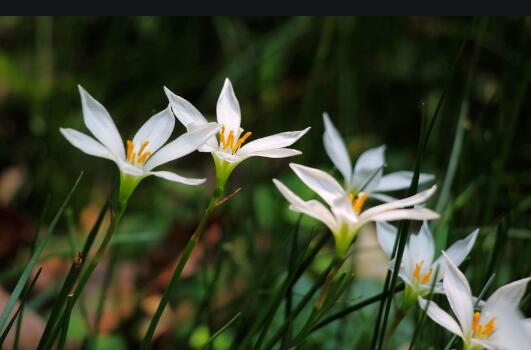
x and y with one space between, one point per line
228 110
400 180
100 124
311 208
458 293
511 330
368 168
184 144
128 168
320 182
421 247
401 203
509 295
457 251
382 197
156 130
419 214
272 153
484 344
86 143
168 175
336 149
342 210
281 140
228 157
387 234
440 316
184 111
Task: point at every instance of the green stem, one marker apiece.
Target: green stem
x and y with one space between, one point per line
115 219
218 192
338 262
400 314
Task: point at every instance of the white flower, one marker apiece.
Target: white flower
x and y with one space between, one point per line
418 267
478 329
230 150
367 175
145 151
344 215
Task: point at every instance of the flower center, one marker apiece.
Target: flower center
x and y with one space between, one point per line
139 157
480 330
358 201
230 144
417 275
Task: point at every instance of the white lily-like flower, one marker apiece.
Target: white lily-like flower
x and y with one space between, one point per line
418 267
145 152
230 150
367 174
478 329
344 216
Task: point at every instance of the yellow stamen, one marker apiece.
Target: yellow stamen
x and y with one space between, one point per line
489 328
427 276
241 141
130 146
133 158
479 330
230 140
416 272
142 159
351 197
358 202
475 322
222 136
142 148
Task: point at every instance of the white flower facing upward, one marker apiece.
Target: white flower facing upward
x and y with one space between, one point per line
478 329
367 174
144 152
344 216
230 150
418 267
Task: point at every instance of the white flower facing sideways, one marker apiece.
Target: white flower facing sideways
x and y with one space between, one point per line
477 328
418 268
344 215
144 152
229 149
367 174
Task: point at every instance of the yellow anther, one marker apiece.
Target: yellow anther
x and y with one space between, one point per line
230 140
479 330
142 148
241 141
489 328
130 146
359 201
427 276
133 158
222 136
475 322
351 197
416 272
143 157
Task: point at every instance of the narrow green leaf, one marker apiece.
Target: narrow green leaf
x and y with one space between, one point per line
15 294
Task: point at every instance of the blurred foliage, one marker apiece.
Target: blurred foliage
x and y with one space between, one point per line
377 77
